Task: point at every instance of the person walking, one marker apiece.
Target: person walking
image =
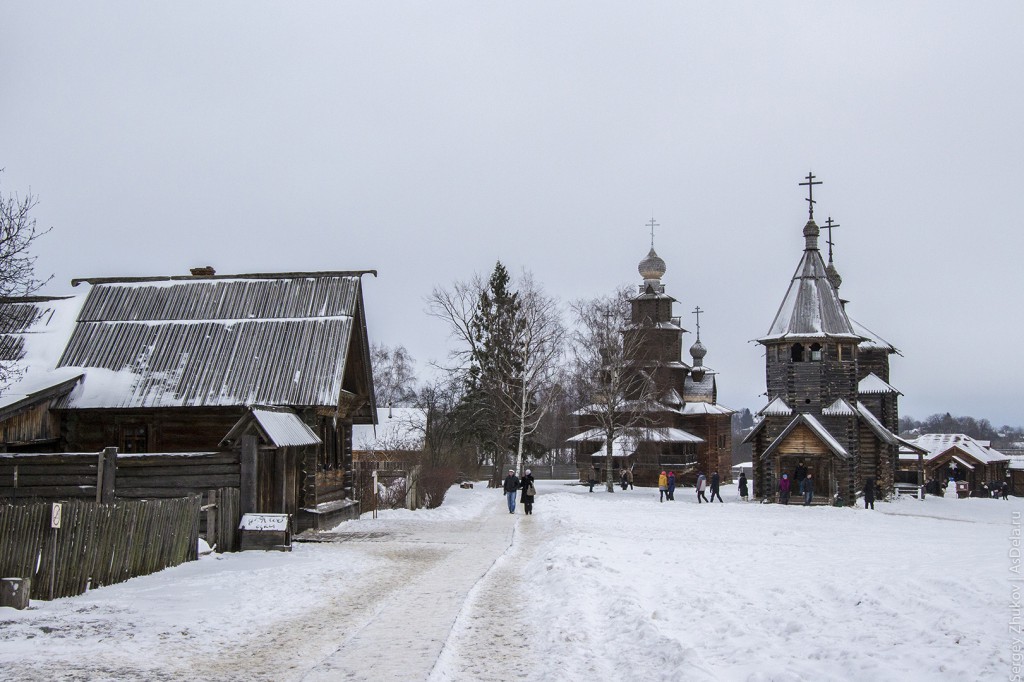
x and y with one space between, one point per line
672 485
592 478
716 484
629 477
1004 490
662 486
869 493
511 486
529 491
623 480
702 483
784 489
743 486
807 489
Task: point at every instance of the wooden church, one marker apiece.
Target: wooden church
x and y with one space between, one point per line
683 428
831 411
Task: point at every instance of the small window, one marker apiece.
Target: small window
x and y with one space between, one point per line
797 352
816 352
134 438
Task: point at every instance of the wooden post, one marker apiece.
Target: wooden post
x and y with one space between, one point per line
14 592
211 519
248 462
106 476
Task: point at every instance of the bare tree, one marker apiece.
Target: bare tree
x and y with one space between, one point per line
18 233
540 343
609 359
394 375
509 346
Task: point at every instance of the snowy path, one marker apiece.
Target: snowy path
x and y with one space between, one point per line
404 638
592 587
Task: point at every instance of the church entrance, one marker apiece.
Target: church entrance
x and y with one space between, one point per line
820 469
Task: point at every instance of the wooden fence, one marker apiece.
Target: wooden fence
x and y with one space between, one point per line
223 514
97 544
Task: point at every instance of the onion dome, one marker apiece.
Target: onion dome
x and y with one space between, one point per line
697 352
833 275
652 267
811 233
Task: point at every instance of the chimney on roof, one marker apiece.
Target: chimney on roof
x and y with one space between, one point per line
207 271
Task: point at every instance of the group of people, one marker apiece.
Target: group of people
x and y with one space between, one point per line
802 482
513 484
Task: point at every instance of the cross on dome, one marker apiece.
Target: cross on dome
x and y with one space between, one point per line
810 194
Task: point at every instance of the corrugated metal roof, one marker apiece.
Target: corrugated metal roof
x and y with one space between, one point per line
284 428
213 342
811 307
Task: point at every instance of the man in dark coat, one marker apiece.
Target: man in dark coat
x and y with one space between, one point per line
715 483
799 474
807 490
511 486
527 486
869 493
744 491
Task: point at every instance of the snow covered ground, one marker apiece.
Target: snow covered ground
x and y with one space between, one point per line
591 587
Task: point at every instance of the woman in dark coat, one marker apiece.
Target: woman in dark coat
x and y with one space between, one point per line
526 483
869 493
743 486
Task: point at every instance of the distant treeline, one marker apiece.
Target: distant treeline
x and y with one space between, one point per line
981 429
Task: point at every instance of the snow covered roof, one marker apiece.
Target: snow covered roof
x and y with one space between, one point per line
839 408
278 426
398 428
937 444
777 407
641 435
875 425
872 383
35 331
811 307
216 341
705 408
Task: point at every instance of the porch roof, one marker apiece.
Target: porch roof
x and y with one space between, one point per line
816 428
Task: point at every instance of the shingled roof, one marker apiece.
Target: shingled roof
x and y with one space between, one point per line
811 307
267 339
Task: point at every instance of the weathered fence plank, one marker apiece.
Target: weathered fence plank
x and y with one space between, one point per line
97 544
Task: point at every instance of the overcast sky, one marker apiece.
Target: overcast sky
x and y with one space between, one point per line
428 140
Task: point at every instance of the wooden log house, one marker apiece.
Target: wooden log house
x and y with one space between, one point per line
268 372
961 458
684 430
831 411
